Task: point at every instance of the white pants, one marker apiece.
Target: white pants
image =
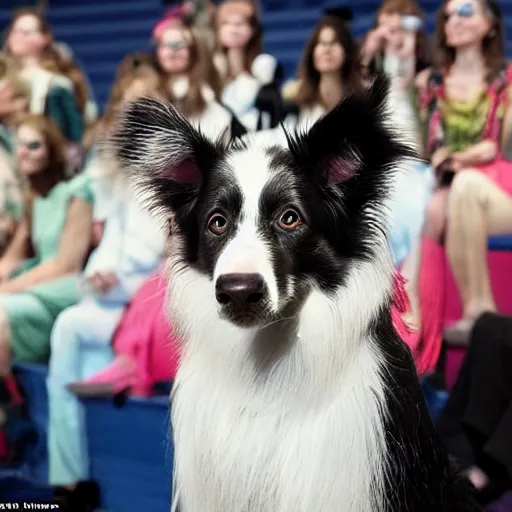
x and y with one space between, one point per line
80 347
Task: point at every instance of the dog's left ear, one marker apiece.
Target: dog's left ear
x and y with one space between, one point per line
162 153
357 140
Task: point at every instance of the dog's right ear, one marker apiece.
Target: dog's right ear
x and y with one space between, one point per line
162 153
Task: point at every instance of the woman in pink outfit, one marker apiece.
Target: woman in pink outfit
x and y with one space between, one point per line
146 350
466 110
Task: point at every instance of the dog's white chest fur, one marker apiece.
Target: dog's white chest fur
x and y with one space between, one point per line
241 450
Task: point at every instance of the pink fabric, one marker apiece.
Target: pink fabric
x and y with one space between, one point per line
5 451
145 336
431 296
500 172
401 305
169 20
121 374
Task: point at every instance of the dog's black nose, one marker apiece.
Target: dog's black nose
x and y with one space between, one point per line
239 290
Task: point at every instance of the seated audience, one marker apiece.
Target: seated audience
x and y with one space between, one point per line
39 270
476 423
243 69
130 250
466 106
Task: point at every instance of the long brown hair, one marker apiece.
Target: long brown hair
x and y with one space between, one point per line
52 60
308 76
493 45
55 142
410 8
200 73
249 8
55 171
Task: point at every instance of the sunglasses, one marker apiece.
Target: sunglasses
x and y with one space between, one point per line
31 145
466 10
175 45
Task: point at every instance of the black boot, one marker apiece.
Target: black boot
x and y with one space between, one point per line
85 497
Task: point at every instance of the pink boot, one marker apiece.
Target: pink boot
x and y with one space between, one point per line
121 375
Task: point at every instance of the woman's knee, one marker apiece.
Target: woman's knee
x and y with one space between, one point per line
467 186
65 328
435 215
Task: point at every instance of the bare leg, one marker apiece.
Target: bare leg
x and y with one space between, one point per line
435 220
479 208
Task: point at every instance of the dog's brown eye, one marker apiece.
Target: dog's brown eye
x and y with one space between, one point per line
290 220
217 224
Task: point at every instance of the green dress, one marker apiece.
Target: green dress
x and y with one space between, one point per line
33 312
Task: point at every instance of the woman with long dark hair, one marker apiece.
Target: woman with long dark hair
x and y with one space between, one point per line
329 68
57 86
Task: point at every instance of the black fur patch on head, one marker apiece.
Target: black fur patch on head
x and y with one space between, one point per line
340 172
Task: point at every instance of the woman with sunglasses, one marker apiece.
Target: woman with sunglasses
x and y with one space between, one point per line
466 108
40 267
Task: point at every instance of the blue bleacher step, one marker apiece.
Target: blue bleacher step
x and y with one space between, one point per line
500 243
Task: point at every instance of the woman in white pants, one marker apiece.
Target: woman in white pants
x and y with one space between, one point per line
130 249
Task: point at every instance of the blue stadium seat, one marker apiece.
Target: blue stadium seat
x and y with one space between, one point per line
130 449
131 453
500 243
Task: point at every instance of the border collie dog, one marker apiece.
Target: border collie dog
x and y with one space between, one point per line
295 393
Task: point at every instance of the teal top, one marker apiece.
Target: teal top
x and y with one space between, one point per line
61 107
49 215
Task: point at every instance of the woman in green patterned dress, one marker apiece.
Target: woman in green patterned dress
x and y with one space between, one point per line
56 231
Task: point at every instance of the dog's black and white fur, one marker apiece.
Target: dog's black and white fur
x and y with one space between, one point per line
295 394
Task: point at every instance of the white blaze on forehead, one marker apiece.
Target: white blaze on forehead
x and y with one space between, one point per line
247 251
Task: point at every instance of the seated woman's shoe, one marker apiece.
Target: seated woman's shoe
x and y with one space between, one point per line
117 377
85 497
459 334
